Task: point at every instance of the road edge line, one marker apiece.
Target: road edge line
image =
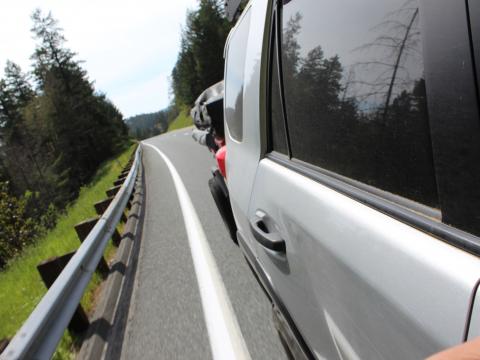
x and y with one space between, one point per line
226 339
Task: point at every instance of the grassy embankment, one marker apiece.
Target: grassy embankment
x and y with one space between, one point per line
181 121
20 285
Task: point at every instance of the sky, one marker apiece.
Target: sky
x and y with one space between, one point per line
128 47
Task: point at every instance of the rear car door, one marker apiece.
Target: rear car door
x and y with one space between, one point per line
364 211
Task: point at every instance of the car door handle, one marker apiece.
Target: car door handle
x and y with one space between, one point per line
265 234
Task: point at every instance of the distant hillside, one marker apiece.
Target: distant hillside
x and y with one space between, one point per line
182 120
147 125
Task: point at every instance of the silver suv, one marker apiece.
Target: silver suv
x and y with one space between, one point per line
353 166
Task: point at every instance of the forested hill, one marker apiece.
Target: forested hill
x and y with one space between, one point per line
200 59
55 131
147 125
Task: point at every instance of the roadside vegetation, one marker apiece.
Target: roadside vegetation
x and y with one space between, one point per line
144 126
21 285
56 136
181 121
55 131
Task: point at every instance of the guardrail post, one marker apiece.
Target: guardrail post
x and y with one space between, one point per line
3 344
119 182
124 173
83 229
49 271
113 190
100 208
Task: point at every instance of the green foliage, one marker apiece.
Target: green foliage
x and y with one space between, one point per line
17 229
20 283
147 125
199 65
181 121
87 128
200 61
54 133
21 222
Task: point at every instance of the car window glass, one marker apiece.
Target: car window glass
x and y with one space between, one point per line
355 92
237 51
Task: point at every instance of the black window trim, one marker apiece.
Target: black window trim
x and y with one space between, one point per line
274 39
473 34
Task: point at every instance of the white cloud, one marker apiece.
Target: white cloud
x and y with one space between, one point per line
125 44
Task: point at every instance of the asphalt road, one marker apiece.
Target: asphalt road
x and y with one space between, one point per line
166 319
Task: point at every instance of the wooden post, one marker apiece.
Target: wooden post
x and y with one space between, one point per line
83 229
3 344
113 191
119 182
100 208
49 271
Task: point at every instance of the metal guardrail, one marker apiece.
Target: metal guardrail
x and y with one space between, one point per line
40 334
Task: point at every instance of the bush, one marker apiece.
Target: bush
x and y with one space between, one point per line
17 227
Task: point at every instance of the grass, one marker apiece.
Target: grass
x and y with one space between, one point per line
183 120
20 285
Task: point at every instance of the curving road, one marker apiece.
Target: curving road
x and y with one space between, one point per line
166 319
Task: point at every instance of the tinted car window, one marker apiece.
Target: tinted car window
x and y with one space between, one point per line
237 51
355 92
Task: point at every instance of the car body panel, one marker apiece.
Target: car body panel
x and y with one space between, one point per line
473 323
358 281
247 152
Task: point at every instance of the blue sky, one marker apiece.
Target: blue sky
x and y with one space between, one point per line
129 47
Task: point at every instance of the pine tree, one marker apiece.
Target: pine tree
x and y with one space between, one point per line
85 128
200 61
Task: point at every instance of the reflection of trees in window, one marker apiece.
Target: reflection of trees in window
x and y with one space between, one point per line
313 83
387 147
391 58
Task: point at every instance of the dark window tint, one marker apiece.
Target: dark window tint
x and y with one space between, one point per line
355 92
237 51
278 140
454 108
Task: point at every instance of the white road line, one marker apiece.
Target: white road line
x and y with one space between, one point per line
226 340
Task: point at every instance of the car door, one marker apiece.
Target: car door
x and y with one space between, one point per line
360 229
